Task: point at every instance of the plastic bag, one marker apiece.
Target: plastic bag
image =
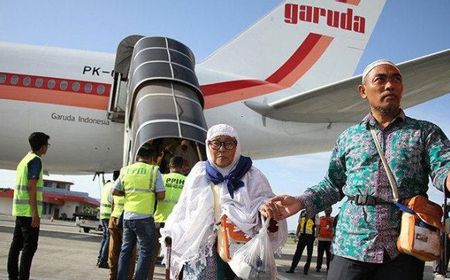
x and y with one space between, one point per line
255 259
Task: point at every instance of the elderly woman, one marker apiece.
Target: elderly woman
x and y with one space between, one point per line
242 190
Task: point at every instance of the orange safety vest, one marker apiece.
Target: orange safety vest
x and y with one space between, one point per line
326 227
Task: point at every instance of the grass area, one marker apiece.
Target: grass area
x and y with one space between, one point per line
292 239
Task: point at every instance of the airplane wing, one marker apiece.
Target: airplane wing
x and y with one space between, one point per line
424 78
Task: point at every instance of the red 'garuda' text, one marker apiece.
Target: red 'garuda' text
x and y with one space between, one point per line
343 20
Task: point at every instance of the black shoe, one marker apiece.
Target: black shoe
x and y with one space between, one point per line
305 272
317 269
290 271
103 265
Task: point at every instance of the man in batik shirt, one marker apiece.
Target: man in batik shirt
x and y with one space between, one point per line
365 240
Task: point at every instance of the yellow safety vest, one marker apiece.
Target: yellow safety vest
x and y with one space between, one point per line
139 181
308 228
21 201
173 182
118 206
105 205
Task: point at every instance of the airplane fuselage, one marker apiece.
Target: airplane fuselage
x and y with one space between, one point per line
67 98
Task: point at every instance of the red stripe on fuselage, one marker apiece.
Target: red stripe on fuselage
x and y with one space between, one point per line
289 73
51 90
51 83
297 57
217 88
54 97
314 54
239 92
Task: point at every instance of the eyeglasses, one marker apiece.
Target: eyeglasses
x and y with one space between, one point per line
229 145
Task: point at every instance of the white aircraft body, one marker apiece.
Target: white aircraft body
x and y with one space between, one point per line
285 84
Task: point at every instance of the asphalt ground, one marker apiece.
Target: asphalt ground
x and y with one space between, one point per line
66 253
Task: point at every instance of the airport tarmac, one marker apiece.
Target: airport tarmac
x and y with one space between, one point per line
65 253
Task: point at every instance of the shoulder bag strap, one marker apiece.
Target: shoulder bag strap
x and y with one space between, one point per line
391 179
215 190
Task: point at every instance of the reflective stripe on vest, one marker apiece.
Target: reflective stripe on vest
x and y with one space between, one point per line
139 181
21 201
173 182
25 188
105 205
118 206
26 202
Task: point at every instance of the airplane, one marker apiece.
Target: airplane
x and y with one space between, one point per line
283 83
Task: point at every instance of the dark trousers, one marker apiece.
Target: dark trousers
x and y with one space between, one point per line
441 265
323 246
224 270
305 240
141 231
102 258
25 239
115 243
155 251
402 267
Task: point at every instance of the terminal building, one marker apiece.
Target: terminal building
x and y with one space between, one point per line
59 201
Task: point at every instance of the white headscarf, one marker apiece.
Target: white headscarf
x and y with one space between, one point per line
191 224
375 64
223 130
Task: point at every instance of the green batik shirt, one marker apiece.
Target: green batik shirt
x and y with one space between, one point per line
416 150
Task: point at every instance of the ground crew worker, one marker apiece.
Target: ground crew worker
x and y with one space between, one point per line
173 182
105 213
325 233
115 235
141 184
306 235
27 207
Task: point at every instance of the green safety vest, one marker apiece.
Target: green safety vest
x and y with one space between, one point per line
173 182
105 205
21 201
139 181
118 206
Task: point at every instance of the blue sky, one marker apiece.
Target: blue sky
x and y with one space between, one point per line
406 29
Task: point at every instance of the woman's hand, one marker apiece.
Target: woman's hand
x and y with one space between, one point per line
268 210
280 207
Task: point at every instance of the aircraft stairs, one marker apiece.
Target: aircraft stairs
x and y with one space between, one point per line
157 96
